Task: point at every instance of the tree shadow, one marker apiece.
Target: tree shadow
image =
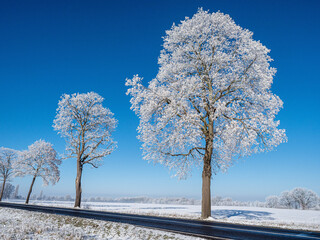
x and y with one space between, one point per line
155 208
242 214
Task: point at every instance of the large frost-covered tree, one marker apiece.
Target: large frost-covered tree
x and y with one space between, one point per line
8 158
210 102
40 160
87 127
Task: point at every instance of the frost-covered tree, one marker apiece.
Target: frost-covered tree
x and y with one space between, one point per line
40 160
87 126
8 158
304 198
216 201
211 101
67 198
272 201
299 198
286 200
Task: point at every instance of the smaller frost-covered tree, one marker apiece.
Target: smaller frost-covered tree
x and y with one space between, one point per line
40 160
87 126
8 158
304 198
272 201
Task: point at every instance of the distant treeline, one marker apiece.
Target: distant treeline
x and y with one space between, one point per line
298 198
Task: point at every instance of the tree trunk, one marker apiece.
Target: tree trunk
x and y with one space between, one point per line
2 189
206 181
30 190
78 184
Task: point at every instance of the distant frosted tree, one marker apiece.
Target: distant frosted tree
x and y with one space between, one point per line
227 201
211 101
87 126
8 158
40 160
272 201
8 190
299 198
216 201
68 198
286 200
304 198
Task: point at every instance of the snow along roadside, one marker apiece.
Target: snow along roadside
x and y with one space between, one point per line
268 217
21 224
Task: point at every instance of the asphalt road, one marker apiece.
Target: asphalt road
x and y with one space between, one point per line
197 228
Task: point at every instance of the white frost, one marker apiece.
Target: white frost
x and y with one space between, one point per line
212 94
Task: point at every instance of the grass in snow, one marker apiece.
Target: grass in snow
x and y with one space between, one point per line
21 224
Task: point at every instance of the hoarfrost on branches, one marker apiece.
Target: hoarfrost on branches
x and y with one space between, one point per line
210 100
304 198
299 198
272 201
8 158
213 84
86 125
40 160
286 200
8 190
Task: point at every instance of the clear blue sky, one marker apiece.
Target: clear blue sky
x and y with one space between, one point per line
48 48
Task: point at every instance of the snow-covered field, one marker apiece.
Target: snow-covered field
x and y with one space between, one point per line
19 224
285 218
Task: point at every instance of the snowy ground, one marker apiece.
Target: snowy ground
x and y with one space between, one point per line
20 224
285 218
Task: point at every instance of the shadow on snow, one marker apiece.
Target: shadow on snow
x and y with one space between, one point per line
243 214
